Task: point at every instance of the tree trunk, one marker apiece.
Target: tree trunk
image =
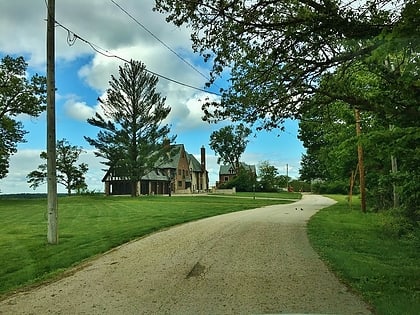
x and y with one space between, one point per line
133 188
361 164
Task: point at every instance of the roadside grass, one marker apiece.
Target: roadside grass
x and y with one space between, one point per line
88 226
385 270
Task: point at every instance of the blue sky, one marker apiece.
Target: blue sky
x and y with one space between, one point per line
82 75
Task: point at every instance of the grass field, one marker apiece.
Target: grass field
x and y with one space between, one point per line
90 225
384 269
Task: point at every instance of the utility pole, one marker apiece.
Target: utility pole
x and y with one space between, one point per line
287 177
361 164
52 211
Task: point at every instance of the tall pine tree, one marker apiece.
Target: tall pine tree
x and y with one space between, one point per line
132 135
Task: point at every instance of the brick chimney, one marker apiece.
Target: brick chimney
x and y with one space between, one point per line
203 159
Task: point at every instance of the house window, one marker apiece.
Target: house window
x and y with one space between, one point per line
179 183
179 171
226 178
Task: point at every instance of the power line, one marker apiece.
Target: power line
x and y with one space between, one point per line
72 37
159 40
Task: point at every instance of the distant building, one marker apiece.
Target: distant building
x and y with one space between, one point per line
228 172
182 173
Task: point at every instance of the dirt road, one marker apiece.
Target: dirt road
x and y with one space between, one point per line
251 262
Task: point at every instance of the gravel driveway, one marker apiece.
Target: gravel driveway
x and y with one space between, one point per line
250 262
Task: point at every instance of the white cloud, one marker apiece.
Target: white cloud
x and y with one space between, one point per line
186 111
21 164
78 110
25 161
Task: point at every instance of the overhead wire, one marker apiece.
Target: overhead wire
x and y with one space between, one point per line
72 37
159 40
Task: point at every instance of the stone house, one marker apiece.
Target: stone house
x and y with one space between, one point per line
181 173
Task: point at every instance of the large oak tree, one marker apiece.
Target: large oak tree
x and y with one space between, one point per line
277 52
18 95
132 132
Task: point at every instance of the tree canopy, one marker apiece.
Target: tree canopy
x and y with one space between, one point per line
18 95
69 174
132 134
268 175
278 51
230 143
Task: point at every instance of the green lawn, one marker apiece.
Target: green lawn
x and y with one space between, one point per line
384 269
89 225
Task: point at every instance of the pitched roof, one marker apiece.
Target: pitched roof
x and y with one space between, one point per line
156 175
174 155
229 169
193 163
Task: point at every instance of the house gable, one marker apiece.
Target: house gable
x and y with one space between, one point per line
228 172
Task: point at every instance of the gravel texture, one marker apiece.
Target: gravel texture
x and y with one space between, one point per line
251 262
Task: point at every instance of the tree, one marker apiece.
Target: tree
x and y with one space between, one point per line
18 95
244 180
131 138
230 143
279 50
268 175
69 174
328 134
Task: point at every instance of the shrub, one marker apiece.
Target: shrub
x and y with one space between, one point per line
337 187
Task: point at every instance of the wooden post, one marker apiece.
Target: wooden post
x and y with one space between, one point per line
52 210
361 164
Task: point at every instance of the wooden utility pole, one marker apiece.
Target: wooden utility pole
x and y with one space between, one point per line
361 164
52 210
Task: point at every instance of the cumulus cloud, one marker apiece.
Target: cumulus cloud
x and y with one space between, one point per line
78 110
27 160
186 112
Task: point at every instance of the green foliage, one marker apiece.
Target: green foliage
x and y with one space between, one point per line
18 95
328 133
365 251
69 174
131 138
90 225
396 224
230 143
300 186
243 181
334 187
278 51
268 177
